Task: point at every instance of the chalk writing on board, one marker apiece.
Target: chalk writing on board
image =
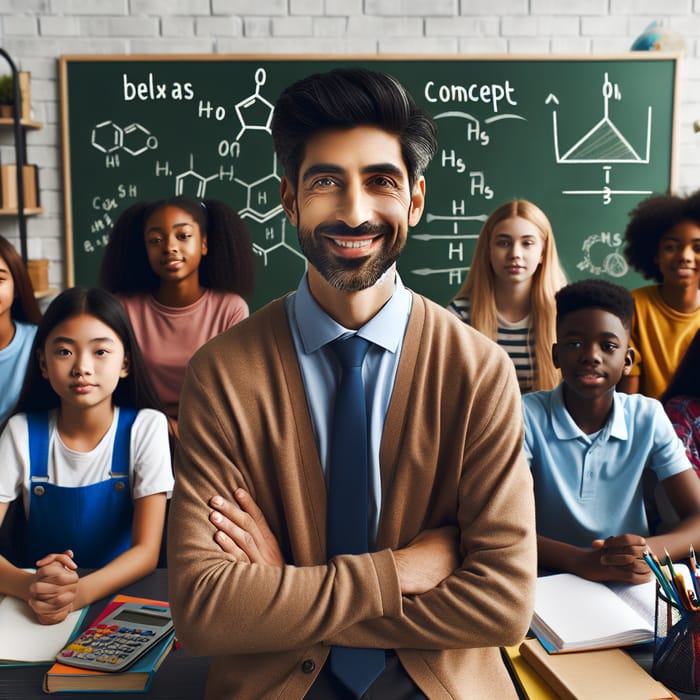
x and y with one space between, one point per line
197 179
584 138
134 139
604 144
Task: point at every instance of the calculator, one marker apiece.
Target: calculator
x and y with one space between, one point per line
118 639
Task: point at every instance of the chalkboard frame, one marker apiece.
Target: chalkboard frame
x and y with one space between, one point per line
66 61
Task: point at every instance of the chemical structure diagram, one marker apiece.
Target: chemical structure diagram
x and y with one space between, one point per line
264 252
255 115
261 190
262 194
192 177
109 137
455 246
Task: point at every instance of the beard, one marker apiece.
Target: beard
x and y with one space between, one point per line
350 274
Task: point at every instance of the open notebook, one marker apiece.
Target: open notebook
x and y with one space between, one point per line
573 614
24 640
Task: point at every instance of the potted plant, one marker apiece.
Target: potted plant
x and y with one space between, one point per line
7 96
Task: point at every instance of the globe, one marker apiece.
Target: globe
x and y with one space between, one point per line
658 38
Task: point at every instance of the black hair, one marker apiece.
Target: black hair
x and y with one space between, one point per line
649 222
686 378
229 265
135 390
344 98
595 294
24 306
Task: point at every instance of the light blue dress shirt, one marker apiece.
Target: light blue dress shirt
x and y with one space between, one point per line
590 487
312 329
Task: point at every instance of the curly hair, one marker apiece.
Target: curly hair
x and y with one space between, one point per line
344 98
649 222
228 267
595 294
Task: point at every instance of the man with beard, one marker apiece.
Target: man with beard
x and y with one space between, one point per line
446 573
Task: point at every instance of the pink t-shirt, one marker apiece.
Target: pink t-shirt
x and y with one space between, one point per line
168 336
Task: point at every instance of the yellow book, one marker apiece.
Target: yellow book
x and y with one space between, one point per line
593 675
528 682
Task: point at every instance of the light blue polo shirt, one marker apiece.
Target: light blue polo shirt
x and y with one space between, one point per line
588 488
13 366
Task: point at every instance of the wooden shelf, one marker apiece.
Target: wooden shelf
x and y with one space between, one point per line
26 123
28 211
43 293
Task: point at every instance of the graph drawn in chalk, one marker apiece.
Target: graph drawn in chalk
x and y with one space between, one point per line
604 143
606 190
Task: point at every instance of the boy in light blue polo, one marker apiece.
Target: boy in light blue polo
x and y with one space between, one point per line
589 447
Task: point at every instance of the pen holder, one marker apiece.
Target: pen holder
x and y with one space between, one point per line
676 647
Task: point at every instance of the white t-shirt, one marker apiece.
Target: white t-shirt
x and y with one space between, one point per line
149 469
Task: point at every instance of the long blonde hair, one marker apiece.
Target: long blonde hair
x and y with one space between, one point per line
479 287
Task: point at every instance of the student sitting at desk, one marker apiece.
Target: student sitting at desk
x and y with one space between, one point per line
88 455
589 446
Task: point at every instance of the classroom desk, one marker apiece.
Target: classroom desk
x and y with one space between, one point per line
181 677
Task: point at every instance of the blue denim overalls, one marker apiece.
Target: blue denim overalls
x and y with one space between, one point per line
95 520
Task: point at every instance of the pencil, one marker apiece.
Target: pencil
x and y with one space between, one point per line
669 590
694 570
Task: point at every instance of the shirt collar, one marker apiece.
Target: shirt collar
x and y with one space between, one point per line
565 428
317 328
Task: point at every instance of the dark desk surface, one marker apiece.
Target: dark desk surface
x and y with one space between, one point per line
181 677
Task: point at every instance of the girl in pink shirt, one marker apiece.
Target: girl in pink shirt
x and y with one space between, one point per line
181 268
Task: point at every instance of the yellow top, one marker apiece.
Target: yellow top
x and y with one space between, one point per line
660 336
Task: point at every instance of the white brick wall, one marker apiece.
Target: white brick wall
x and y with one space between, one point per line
37 32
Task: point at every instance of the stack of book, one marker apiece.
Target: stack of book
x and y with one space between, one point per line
62 678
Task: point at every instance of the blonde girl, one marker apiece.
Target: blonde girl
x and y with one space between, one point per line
508 294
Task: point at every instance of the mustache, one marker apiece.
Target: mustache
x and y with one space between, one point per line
339 228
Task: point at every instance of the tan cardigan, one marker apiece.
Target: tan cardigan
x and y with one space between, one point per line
450 454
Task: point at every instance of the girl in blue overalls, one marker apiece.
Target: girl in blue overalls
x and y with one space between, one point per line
89 457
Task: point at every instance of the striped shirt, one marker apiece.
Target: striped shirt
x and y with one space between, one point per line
517 339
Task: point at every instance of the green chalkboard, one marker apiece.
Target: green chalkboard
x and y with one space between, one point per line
586 138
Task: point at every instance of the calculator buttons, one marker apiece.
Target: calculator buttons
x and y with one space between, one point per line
113 647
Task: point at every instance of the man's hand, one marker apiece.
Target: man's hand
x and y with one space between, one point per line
428 560
618 558
243 531
54 588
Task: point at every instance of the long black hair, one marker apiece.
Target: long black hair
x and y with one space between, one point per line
24 307
135 390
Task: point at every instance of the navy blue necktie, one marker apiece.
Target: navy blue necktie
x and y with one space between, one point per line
348 526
